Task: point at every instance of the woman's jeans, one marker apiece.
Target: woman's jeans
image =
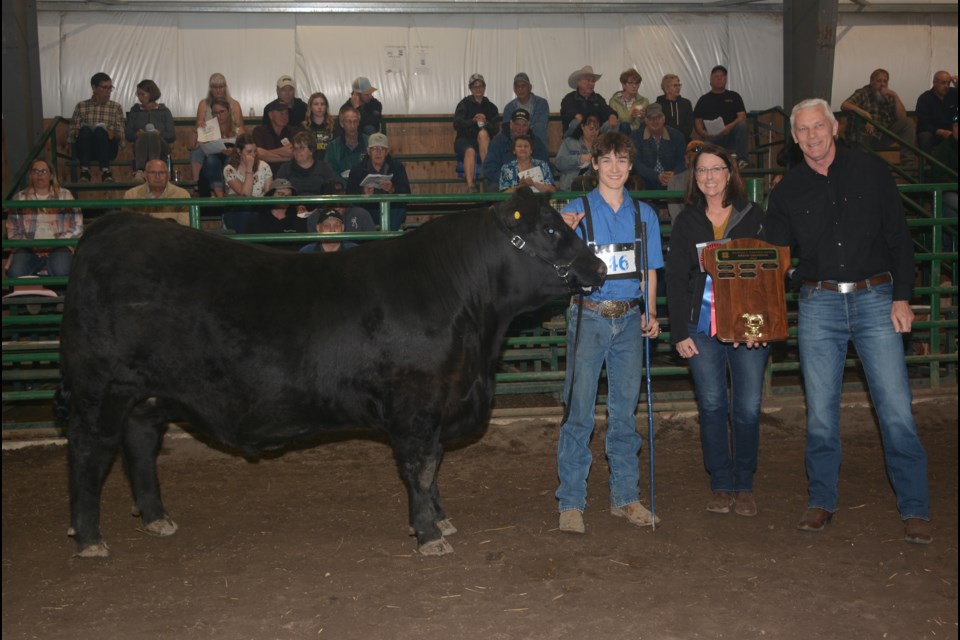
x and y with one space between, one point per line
729 418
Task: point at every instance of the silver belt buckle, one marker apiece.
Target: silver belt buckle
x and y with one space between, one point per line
613 309
846 287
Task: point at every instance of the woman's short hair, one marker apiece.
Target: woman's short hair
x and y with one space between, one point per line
303 139
528 139
579 132
666 80
630 74
734 190
618 143
153 91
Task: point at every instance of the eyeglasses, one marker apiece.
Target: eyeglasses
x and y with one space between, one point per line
108 87
676 84
713 171
40 172
636 82
220 112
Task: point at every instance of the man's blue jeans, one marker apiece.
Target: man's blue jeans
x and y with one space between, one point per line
737 141
828 320
730 456
619 343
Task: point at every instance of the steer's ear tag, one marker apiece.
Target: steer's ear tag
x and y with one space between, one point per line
516 215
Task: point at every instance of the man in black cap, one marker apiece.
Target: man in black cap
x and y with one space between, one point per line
537 107
500 151
326 221
275 140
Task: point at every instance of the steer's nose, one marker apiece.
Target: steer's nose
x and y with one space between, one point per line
602 270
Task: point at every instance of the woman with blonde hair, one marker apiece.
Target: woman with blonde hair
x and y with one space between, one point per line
217 89
42 224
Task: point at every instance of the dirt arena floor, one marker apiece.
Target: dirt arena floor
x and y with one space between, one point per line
314 544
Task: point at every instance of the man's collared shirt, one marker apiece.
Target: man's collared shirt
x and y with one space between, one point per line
89 113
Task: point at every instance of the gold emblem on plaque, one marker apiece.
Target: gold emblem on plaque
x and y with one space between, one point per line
753 323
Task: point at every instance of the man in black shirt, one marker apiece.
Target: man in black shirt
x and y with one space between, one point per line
840 212
724 108
583 102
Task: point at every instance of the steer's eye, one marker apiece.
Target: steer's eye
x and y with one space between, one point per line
550 230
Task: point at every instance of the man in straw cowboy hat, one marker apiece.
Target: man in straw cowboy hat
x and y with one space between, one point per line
583 102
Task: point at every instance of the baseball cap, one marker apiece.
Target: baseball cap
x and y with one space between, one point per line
521 77
362 85
276 105
475 78
378 140
520 114
285 81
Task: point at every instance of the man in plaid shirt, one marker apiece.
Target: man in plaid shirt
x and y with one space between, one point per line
881 104
96 129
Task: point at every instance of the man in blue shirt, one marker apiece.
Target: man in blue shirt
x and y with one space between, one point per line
500 151
612 324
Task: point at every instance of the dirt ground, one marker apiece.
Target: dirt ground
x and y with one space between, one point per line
314 544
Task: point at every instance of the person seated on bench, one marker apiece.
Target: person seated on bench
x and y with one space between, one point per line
369 108
149 127
881 104
309 175
348 147
245 175
320 123
525 170
476 120
275 139
214 155
159 187
42 224
280 218
287 94
390 174
576 153
97 128
218 89
500 151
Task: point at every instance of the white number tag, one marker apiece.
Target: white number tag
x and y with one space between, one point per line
619 258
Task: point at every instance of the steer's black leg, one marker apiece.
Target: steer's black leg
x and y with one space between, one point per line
143 435
92 441
418 461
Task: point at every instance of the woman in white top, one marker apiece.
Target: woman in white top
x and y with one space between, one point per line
42 224
245 175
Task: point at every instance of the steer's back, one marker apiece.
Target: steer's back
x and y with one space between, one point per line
259 346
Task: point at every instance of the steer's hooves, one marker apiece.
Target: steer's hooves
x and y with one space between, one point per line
435 548
162 527
446 527
99 550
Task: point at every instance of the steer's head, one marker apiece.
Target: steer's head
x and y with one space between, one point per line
537 230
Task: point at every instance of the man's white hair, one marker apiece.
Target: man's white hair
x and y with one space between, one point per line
812 103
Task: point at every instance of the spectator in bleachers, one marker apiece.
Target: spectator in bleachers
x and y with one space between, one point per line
583 102
881 104
476 120
348 147
500 151
576 152
245 175
936 108
149 127
525 170
379 173
320 123
159 187
681 180
308 174
217 89
946 153
628 104
215 156
275 140
678 110
97 129
369 108
327 221
42 224
287 94
279 218
537 108
721 118
660 150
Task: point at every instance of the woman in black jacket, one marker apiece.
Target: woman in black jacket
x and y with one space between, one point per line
717 209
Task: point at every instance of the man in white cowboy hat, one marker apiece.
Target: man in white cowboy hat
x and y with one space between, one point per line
370 109
583 102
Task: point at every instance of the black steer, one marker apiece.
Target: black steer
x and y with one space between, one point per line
258 348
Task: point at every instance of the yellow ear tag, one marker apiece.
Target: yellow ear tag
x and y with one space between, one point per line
516 215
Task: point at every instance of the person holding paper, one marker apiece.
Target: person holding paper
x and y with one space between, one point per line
149 127
217 90
97 129
721 118
380 173
215 143
525 170
717 210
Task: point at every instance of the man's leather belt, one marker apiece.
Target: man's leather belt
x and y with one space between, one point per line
850 287
611 308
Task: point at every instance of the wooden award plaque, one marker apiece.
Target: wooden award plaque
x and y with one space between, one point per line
748 290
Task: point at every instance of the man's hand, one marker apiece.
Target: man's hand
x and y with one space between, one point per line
664 178
902 316
573 219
